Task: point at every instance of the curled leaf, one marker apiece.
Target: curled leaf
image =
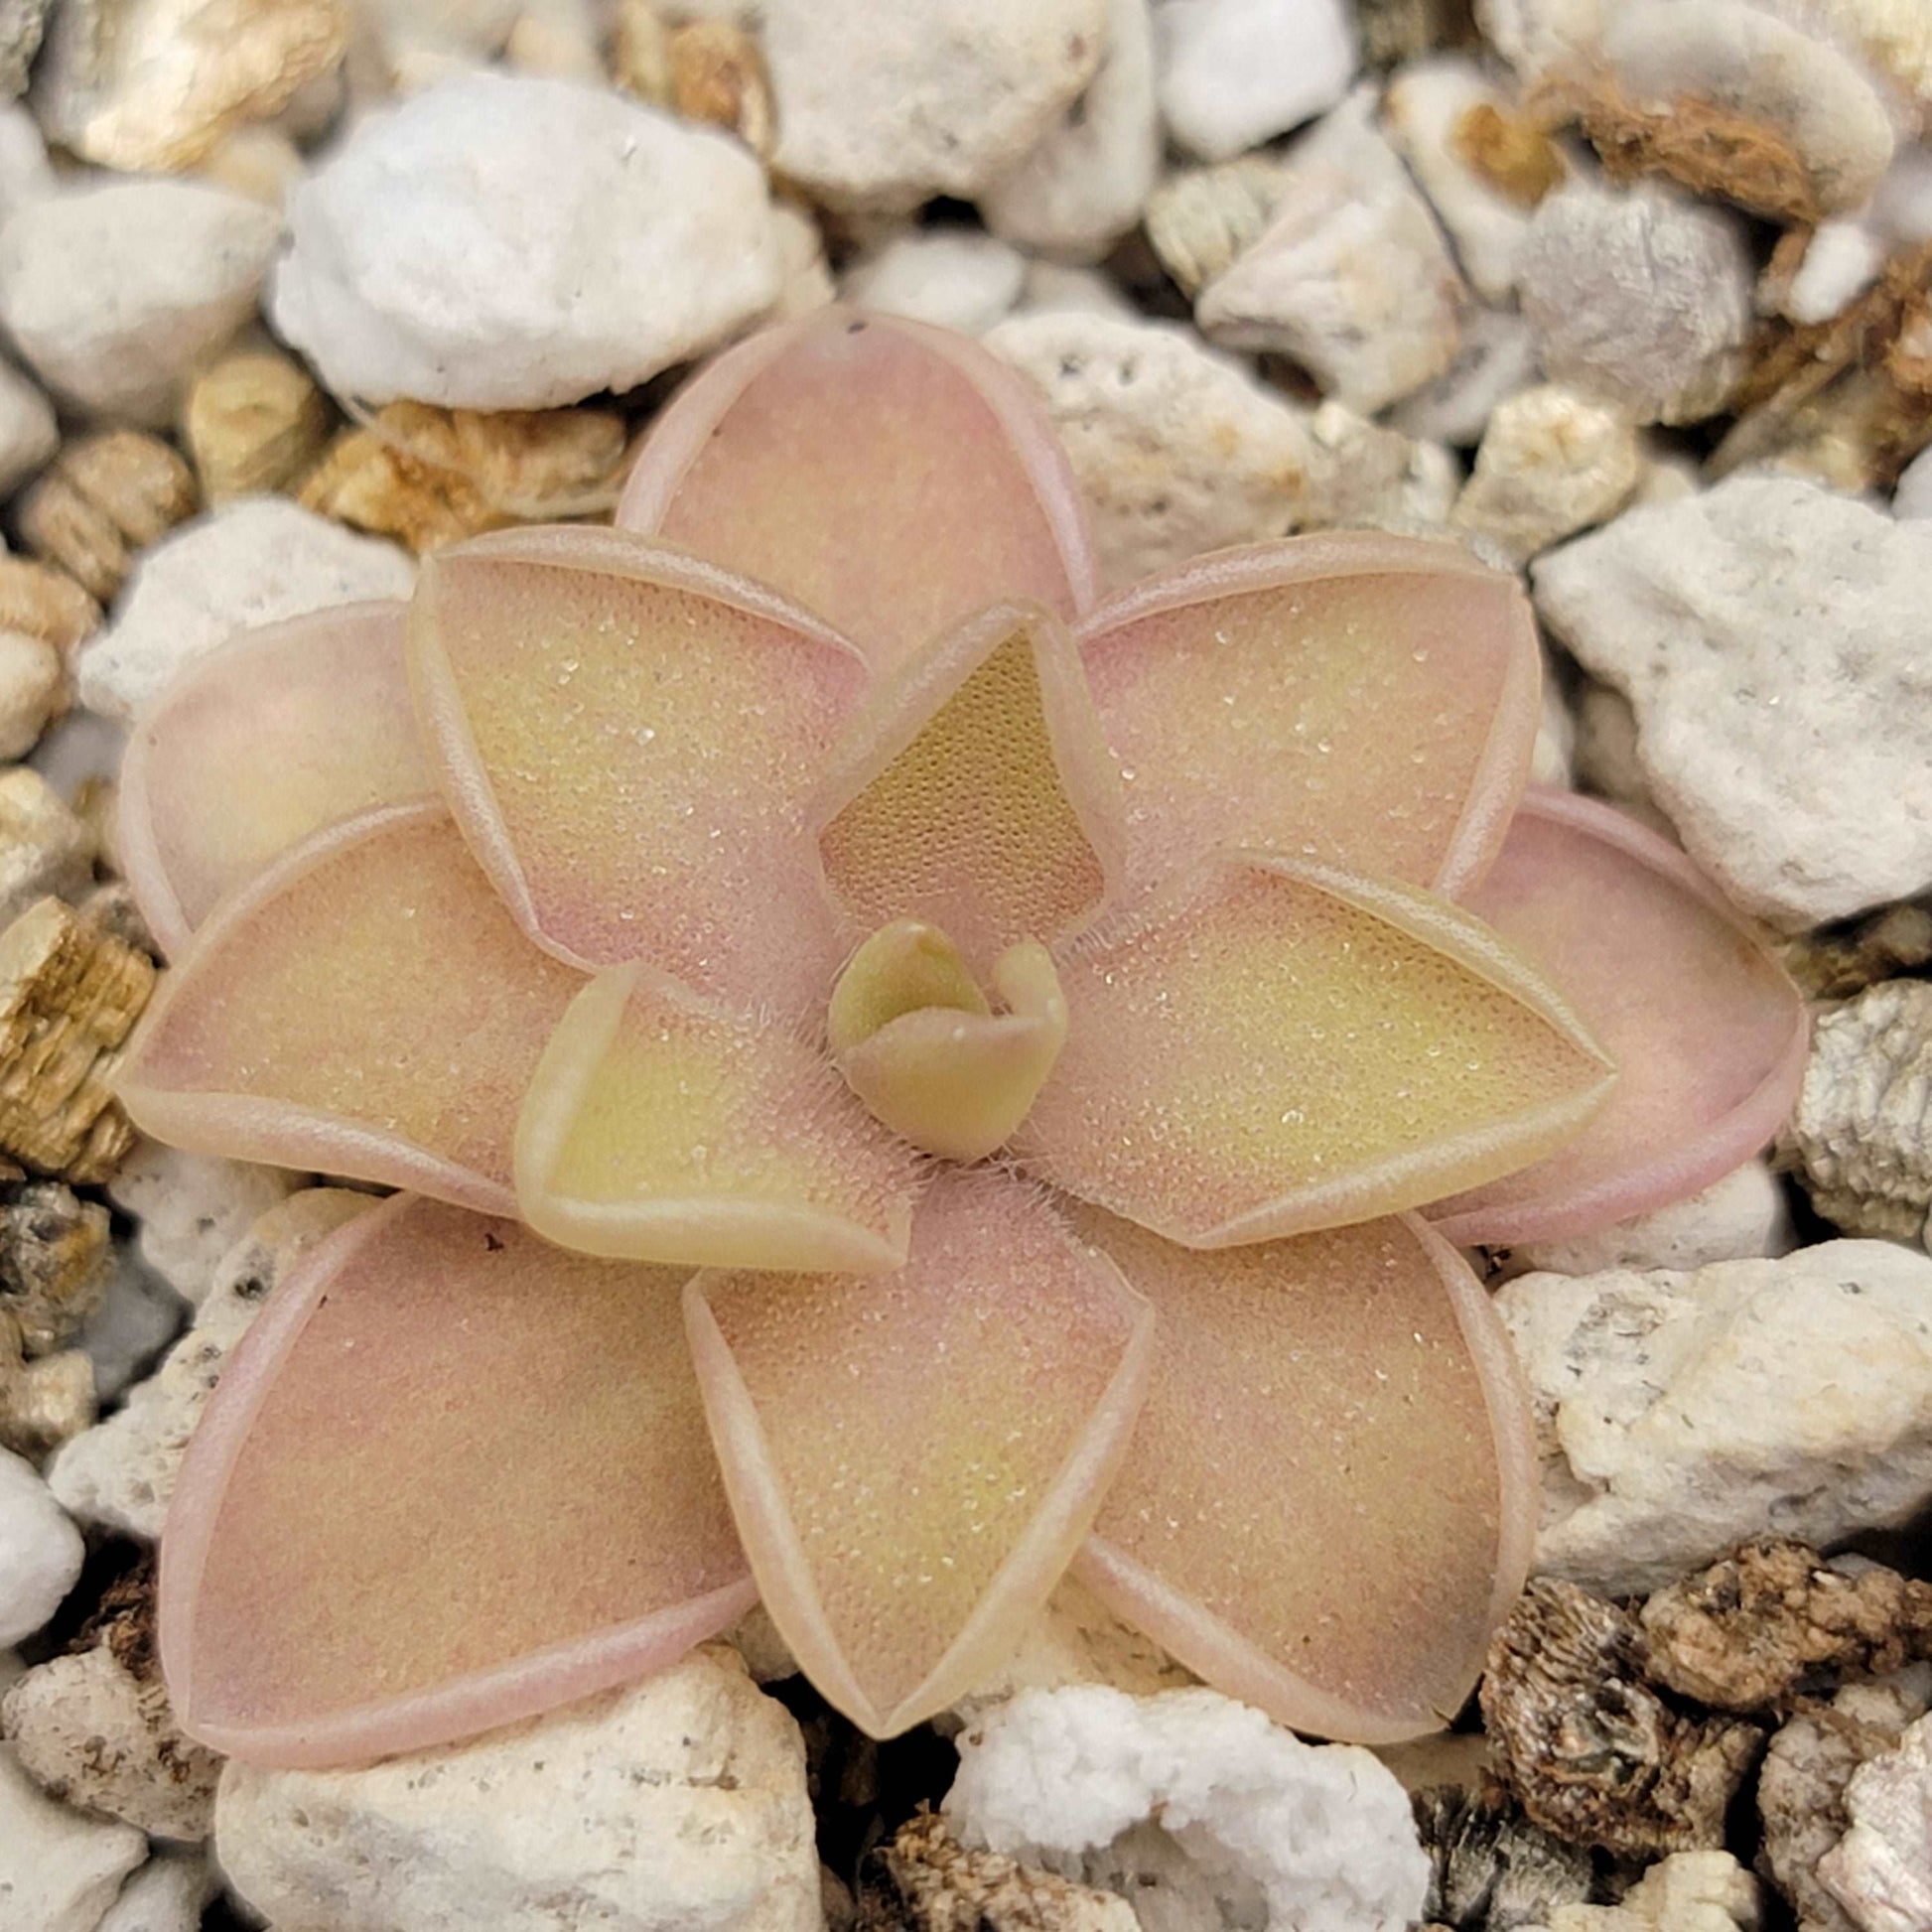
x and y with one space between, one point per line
958 1083
660 1127
974 792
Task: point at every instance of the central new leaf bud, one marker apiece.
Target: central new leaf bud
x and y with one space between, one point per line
919 1044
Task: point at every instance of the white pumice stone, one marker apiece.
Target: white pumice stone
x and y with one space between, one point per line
1680 1412
1083 184
505 243
677 1804
255 560
1235 73
116 292
41 1551
1770 635
1187 1796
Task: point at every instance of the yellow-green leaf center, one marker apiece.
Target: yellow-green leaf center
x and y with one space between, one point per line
919 1044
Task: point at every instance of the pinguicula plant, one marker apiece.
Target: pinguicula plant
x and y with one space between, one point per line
905 1075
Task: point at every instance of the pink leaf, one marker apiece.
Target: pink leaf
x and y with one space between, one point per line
1361 700
366 1007
451 1476
913 1457
1284 1047
628 739
890 477
286 730
1331 1493
1710 1032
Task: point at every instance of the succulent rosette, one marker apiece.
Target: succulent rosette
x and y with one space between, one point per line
906 1074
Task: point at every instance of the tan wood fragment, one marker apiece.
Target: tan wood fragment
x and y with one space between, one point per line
70 995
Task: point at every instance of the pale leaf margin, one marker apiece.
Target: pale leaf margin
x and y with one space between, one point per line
1030 1569
526 1688
1709 1154
448 741
1326 557
1238 1668
283 1133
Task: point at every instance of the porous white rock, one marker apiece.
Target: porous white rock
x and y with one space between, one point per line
412 47
168 1895
1842 260
1352 277
96 1735
1640 296
1318 1837
59 1872
1055 287
882 106
1913 496
1688 1891
804 275
1233 73
676 1805
80 744
1075 1639
1740 1216
1198 220
192 1209
1678 1413
500 242
1606 755
1740 60
41 1551
1802 1783
1427 106
954 278
1552 758
1771 637
1880 1871
29 435
1862 1129
116 292
1177 450
121 1473
1495 360
1084 181
1551 463
254 560
1895 34
136 84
